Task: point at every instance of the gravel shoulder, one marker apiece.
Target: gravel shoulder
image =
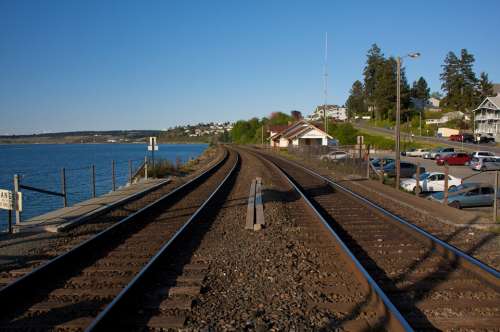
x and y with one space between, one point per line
24 251
275 278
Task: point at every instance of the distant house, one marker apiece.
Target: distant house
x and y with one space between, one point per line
335 112
298 134
487 117
447 117
429 104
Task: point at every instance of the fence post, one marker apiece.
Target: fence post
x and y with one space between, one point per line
417 188
445 197
382 171
495 198
130 171
146 167
92 179
10 221
113 179
16 199
63 186
368 162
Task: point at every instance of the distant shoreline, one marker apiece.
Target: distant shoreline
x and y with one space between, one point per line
94 143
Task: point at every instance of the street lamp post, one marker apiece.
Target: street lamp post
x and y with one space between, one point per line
398 114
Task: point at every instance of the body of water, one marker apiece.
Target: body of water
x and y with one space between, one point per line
39 165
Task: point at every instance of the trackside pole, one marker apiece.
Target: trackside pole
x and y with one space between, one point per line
446 172
495 198
417 188
16 199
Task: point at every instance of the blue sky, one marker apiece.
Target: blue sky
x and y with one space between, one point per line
97 65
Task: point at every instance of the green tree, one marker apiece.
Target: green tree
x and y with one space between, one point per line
459 81
344 132
420 90
356 101
279 118
484 87
374 63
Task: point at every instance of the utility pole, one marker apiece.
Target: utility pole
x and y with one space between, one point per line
398 114
420 123
325 115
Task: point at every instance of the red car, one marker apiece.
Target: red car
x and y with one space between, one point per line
459 158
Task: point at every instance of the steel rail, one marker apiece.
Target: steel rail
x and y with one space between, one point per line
10 294
102 321
484 271
398 322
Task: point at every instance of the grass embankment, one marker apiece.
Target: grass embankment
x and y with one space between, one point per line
164 168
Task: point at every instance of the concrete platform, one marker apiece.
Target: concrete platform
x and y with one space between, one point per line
66 218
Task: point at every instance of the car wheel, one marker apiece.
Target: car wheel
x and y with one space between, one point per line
415 190
437 156
483 168
452 188
455 204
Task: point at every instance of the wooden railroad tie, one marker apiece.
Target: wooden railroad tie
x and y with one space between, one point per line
255 208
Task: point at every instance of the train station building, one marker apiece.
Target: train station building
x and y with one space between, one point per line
298 134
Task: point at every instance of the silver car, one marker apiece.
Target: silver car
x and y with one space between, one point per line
485 164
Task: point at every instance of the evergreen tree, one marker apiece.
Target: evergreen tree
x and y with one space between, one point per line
374 63
356 101
459 81
470 80
484 87
420 90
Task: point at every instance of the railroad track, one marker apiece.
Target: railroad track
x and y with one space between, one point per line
72 236
79 289
428 283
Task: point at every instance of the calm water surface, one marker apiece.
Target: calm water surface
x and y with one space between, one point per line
39 165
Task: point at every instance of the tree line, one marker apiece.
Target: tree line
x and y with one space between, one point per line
253 130
376 95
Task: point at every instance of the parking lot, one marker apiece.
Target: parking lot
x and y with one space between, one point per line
458 171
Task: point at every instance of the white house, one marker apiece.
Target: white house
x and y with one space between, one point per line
300 133
335 112
487 117
447 117
429 104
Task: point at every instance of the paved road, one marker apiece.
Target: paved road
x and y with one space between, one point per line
434 140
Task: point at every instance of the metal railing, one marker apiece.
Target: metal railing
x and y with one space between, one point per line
70 186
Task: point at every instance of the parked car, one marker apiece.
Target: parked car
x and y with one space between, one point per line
334 155
405 153
407 169
430 181
465 137
377 162
467 195
485 164
416 152
486 139
482 154
458 158
435 153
